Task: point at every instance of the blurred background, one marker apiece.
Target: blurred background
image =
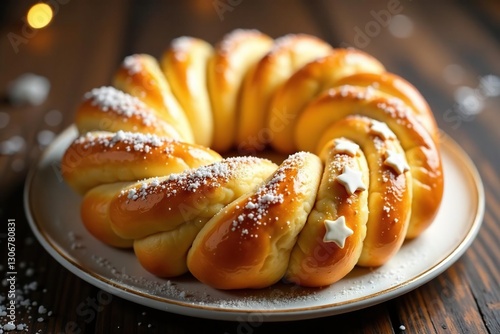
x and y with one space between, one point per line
53 51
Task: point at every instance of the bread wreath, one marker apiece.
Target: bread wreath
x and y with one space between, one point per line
366 176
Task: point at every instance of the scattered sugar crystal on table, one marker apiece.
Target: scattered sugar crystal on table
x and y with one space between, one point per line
26 307
9 327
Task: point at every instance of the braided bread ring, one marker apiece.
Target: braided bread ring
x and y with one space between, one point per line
283 80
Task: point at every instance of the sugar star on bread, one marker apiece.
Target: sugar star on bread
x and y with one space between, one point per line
351 180
397 162
337 231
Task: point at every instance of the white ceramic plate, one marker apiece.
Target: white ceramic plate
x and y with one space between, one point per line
53 212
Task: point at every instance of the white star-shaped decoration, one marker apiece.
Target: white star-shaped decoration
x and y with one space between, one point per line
337 231
397 162
346 146
351 179
382 130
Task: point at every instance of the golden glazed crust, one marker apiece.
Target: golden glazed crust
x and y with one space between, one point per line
421 151
306 84
183 215
248 243
140 75
94 212
399 88
288 54
234 55
389 193
103 157
185 67
319 261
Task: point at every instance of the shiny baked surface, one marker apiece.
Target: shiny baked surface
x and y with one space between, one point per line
247 94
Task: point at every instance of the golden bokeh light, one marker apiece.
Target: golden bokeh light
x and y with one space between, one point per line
39 15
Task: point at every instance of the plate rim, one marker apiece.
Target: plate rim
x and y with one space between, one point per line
220 313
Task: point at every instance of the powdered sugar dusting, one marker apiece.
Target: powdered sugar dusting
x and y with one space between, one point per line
180 47
132 64
283 42
359 93
275 299
109 99
269 194
155 288
336 166
130 141
206 177
181 43
395 107
21 297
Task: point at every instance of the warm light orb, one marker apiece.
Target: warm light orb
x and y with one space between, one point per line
39 15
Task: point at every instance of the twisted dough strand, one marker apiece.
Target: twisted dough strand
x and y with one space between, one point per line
163 216
140 75
289 53
306 84
109 109
248 243
376 236
234 56
103 157
316 260
184 65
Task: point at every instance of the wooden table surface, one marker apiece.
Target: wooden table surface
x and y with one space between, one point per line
450 51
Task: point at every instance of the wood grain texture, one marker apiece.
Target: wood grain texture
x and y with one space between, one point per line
87 40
